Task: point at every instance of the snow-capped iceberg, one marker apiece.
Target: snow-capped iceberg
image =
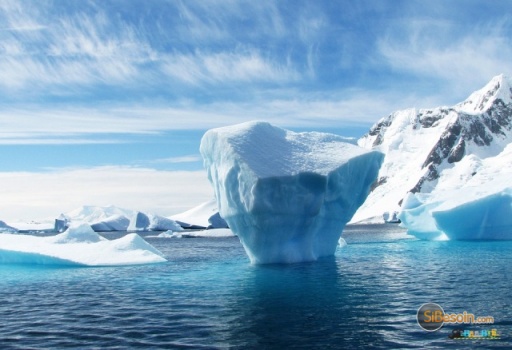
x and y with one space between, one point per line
464 216
80 246
61 223
101 219
485 218
416 216
286 195
149 222
111 223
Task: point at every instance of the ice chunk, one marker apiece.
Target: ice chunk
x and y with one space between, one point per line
150 222
485 218
139 222
61 223
286 195
79 245
390 217
77 233
216 221
101 219
416 216
6 228
465 216
205 215
112 223
160 223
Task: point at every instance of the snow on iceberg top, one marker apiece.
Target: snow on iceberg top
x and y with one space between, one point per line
270 151
79 245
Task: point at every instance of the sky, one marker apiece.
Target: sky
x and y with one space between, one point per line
105 102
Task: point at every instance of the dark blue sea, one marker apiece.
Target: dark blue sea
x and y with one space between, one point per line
208 296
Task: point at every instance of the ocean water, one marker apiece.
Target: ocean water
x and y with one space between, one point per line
208 296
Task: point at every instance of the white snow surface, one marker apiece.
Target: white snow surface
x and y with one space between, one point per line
481 100
113 218
406 147
80 246
204 215
115 222
479 208
286 195
407 144
149 222
92 213
45 225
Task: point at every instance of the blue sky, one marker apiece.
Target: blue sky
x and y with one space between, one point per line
131 85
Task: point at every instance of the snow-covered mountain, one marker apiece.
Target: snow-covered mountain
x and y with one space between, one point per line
429 150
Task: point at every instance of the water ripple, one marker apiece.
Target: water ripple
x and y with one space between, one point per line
209 297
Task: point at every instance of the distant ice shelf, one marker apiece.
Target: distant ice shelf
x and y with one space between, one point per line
111 218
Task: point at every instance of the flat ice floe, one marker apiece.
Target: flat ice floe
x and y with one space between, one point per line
79 246
211 233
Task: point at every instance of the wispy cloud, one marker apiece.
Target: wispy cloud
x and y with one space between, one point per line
79 49
47 194
332 110
226 67
162 65
191 158
16 19
429 49
85 47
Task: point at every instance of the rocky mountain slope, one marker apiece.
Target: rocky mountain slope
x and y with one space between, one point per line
424 148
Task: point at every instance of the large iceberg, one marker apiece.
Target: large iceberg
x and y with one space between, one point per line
78 245
286 195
